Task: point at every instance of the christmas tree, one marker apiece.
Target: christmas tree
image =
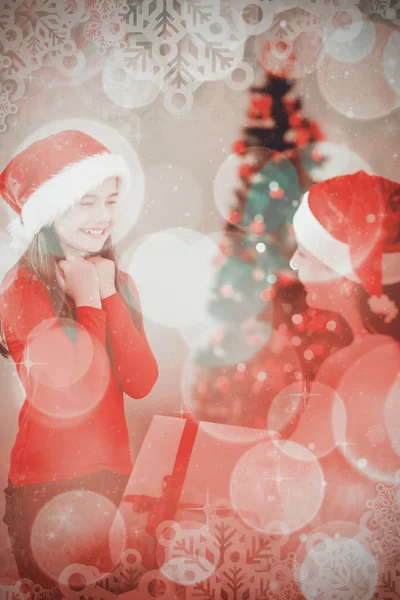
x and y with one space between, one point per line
265 339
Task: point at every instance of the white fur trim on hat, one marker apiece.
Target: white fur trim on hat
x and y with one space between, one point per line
332 252
55 196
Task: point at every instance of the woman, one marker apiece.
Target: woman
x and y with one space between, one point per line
348 258
72 323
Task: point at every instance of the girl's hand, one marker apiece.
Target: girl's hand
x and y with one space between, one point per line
106 273
80 281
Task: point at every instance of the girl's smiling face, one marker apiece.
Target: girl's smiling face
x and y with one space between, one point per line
85 227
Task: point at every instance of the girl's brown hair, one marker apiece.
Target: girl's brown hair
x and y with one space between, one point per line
41 258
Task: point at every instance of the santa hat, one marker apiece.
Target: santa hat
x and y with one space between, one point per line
51 175
351 224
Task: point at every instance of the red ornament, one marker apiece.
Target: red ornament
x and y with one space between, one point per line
268 294
245 171
316 133
295 119
316 155
260 107
227 291
234 217
258 274
289 104
303 136
239 147
257 227
277 158
277 194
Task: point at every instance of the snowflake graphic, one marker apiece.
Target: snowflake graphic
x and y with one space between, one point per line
380 529
177 39
192 42
163 21
34 28
386 506
278 582
370 7
338 568
6 106
105 26
376 434
104 8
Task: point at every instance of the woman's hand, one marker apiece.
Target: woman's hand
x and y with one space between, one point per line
106 273
80 281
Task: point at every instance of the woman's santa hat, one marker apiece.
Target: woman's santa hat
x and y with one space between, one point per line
51 175
351 224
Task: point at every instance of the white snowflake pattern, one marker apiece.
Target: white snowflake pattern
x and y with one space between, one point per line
338 568
106 26
193 41
34 29
376 434
386 506
380 530
6 106
374 6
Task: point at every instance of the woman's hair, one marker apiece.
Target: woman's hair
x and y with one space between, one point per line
374 322
41 257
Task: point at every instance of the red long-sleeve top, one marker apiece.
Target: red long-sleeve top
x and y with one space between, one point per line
72 422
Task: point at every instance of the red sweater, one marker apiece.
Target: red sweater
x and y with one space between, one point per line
72 422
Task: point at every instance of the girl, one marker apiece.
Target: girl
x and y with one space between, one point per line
348 258
72 323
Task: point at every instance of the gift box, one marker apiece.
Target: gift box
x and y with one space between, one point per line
182 474
183 467
186 513
220 511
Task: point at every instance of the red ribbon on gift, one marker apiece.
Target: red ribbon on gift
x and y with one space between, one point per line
164 508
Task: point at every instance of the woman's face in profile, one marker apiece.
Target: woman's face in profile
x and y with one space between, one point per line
324 287
87 224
